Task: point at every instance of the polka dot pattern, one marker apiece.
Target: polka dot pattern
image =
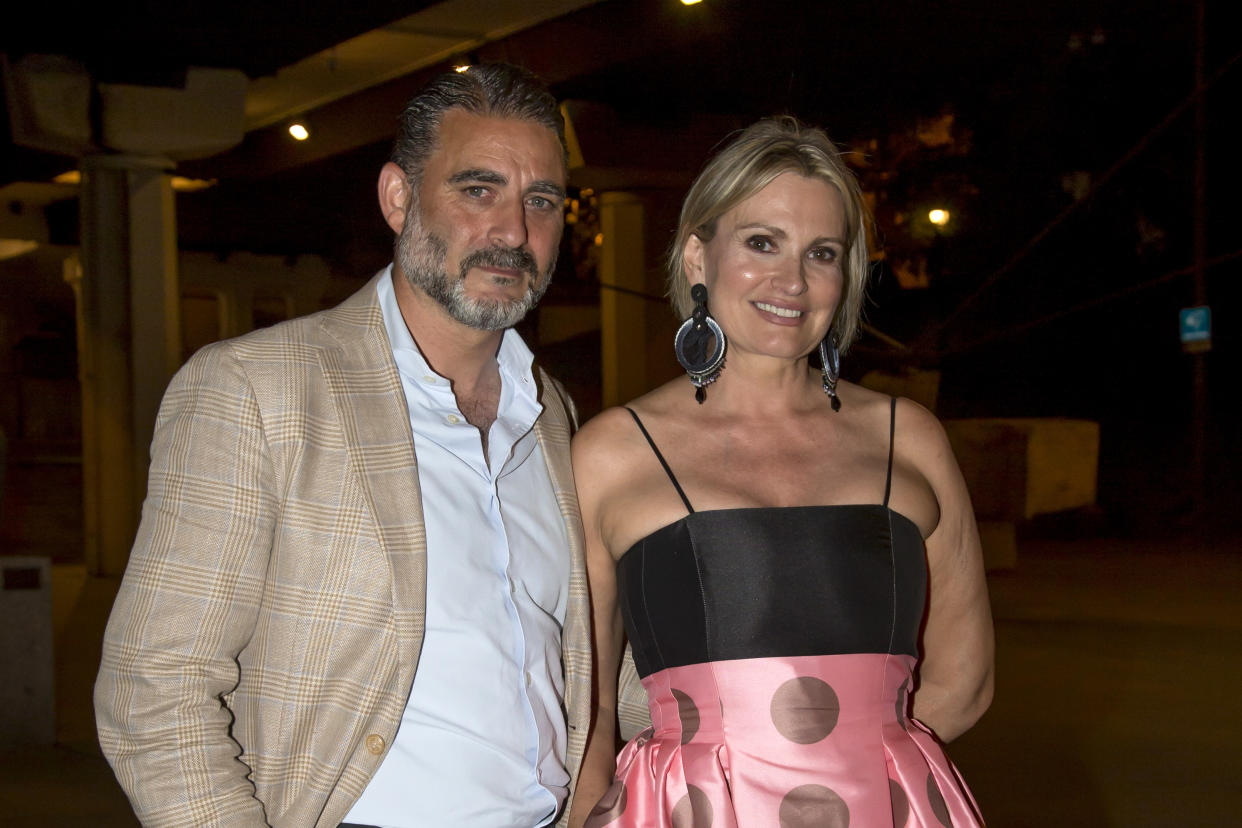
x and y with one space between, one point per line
805 710
813 806
792 747
610 806
694 810
938 806
901 803
688 712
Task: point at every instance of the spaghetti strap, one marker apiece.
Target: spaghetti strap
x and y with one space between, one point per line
892 430
663 462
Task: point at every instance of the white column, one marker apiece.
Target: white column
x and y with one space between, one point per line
622 314
129 340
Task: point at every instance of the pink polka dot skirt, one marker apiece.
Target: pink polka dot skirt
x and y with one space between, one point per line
795 742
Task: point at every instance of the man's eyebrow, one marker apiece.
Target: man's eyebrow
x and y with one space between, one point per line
480 175
549 188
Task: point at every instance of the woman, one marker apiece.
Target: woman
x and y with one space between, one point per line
774 538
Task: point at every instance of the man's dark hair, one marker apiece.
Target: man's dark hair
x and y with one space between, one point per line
497 90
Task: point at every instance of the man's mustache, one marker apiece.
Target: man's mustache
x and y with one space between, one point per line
507 258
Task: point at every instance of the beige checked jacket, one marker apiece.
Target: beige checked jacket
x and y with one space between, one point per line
268 627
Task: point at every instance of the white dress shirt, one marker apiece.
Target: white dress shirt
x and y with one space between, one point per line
482 739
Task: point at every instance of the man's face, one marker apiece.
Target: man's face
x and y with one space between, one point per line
488 210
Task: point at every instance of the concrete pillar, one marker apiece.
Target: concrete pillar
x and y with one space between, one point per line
129 340
622 268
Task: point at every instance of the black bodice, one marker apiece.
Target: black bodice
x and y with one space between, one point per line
762 582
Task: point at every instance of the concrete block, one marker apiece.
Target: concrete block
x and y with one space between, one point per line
201 118
1018 468
27 693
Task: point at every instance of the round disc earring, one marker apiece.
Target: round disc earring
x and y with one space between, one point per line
690 345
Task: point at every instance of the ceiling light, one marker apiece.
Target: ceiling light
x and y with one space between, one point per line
12 248
299 131
189 185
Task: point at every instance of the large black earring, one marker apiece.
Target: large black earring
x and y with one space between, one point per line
690 345
830 359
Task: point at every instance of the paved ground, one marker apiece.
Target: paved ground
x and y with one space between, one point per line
1116 693
1117 675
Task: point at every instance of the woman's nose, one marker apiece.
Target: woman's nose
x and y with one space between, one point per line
790 278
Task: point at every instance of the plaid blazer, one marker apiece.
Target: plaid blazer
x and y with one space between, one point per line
268 627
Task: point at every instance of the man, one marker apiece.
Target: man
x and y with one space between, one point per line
357 593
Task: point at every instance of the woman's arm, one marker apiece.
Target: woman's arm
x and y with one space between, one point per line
594 464
956 672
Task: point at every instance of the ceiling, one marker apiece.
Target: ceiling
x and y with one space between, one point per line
656 83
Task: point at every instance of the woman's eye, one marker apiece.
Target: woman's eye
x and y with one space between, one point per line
824 254
762 243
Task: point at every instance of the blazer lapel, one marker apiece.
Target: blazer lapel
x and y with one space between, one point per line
366 389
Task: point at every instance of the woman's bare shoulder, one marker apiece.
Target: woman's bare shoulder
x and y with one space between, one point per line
605 433
611 440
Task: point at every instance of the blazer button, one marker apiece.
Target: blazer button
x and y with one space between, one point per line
375 744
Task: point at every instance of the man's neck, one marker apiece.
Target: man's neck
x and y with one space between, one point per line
465 356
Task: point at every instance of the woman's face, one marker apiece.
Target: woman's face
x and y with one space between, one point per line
774 268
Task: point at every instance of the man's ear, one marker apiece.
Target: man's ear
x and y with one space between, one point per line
394 196
692 259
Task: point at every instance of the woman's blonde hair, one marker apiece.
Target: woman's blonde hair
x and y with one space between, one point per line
745 166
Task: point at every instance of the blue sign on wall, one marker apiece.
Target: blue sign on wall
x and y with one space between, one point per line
1196 329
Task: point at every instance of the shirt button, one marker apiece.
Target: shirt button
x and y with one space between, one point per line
375 744
429 378
453 419
528 678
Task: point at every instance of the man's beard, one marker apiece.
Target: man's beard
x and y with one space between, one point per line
422 256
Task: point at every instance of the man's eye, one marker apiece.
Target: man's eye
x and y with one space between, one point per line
539 202
475 191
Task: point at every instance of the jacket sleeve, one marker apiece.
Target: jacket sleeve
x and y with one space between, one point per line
188 604
633 714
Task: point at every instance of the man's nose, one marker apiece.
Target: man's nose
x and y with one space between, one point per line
508 224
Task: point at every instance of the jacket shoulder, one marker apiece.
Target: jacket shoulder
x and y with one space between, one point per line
557 402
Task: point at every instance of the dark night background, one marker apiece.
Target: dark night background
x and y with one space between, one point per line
1035 102
1061 137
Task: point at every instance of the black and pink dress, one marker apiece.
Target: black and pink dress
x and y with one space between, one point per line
777 647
